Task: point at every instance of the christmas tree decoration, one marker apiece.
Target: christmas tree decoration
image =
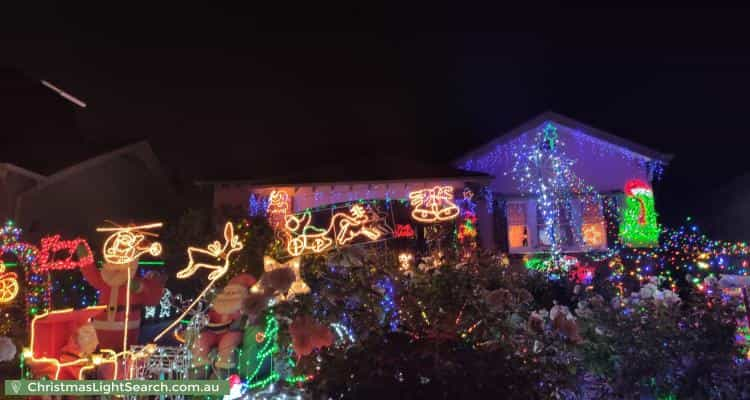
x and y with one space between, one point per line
433 205
543 172
213 253
260 345
8 285
639 227
123 246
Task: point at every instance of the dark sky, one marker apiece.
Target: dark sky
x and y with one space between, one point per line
269 92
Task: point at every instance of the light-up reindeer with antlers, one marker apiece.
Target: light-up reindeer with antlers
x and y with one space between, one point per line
221 256
216 251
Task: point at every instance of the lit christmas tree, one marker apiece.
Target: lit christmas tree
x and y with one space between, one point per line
543 171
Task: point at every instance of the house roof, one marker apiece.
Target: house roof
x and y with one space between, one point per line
143 147
23 171
550 116
376 169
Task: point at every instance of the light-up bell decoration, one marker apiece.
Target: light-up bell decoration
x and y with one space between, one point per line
8 285
433 205
124 246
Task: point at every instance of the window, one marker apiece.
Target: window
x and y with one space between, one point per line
582 226
518 235
593 226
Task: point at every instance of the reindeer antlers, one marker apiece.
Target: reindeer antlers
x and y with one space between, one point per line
214 250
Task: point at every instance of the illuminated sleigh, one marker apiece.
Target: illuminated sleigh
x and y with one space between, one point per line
46 355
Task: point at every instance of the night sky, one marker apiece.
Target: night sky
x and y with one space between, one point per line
232 90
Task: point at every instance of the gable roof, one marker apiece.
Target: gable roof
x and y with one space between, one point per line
550 116
142 147
23 171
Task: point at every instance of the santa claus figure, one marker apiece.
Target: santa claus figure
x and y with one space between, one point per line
74 331
111 281
225 324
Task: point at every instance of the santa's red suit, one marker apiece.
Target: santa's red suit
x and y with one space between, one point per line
225 323
67 337
110 324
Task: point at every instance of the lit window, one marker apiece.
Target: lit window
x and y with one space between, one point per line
517 232
593 227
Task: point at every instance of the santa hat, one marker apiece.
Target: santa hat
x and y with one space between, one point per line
244 280
637 186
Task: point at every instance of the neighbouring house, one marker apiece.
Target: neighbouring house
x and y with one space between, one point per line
730 210
125 185
322 208
14 181
55 179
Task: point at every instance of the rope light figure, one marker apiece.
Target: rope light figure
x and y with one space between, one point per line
124 245
220 256
433 205
8 285
343 228
278 208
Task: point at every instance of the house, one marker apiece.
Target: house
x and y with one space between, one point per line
123 185
339 204
14 181
55 179
507 218
730 210
603 161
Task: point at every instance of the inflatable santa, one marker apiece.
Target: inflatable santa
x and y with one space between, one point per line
111 282
69 338
225 324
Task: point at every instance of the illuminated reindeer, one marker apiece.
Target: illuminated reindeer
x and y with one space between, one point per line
359 222
215 251
345 226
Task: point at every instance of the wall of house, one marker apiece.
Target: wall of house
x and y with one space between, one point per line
602 165
236 196
122 189
12 184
